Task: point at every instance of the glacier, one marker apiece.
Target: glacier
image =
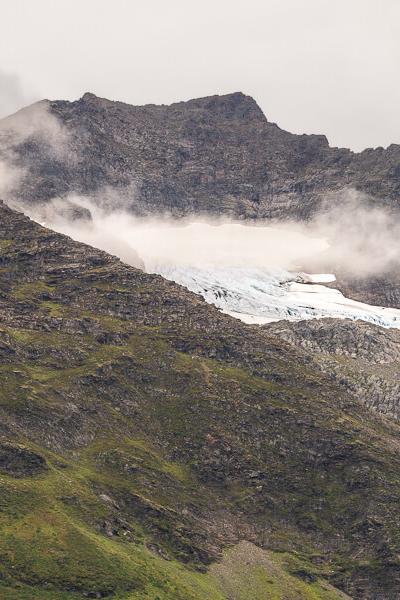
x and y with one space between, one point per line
258 296
251 272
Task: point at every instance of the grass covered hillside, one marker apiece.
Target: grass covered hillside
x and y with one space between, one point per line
153 448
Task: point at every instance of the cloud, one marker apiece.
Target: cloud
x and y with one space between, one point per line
35 122
363 236
351 234
37 125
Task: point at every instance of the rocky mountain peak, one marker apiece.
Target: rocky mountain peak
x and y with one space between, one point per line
89 98
234 106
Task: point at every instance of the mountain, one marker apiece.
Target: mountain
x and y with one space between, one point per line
152 447
215 155
218 156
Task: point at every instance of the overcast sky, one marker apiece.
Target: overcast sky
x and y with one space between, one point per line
314 66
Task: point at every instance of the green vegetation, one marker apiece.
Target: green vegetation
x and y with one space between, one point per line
144 437
107 518
247 572
31 290
52 545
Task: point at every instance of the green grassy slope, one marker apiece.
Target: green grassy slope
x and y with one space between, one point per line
62 538
144 438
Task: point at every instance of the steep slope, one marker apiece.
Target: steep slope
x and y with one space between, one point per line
218 155
143 434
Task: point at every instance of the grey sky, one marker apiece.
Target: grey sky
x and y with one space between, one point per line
314 66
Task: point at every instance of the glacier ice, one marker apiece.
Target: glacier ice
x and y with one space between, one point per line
258 296
251 272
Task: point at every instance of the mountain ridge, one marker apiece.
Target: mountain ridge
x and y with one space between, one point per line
215 99
215 155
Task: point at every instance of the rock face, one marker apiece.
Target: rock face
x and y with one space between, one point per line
379 290
171 431
218 155
362 357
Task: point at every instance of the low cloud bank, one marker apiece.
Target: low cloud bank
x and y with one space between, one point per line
349 235
364 238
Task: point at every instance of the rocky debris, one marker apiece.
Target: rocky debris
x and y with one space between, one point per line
158 551
356 339
378 290
362 357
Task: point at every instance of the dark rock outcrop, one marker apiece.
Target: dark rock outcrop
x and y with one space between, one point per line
20 462
379 290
